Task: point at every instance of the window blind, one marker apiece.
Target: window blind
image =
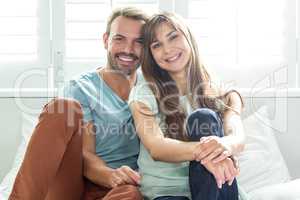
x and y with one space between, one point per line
85 23
19 31
25 43
239 37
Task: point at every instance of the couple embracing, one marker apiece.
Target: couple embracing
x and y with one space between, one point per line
150 124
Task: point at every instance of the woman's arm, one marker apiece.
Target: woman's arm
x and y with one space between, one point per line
159 147
172 150
233 126
215 149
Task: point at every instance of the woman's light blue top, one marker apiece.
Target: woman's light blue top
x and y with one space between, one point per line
159 178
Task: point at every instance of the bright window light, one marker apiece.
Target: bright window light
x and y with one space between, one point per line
18 33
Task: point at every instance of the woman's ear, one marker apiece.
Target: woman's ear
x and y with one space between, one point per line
105 38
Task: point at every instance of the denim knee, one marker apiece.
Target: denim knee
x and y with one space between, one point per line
203 122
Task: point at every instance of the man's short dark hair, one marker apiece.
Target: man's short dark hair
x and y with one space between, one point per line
129 12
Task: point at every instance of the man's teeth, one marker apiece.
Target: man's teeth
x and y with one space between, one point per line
126 59
173 58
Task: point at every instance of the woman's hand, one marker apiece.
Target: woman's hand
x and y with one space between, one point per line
122 176
211 149
223 171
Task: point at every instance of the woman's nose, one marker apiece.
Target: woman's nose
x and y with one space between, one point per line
167 48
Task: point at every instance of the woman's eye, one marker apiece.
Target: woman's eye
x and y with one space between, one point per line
172 37
155 46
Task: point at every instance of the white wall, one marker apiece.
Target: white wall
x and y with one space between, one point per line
10 121
11 126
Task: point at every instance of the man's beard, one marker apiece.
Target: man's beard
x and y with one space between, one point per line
116 68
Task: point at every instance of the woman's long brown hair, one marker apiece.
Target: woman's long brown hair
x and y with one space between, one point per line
201 91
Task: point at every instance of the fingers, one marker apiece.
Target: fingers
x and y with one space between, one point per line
204 152
116 180
213 169
227 173
133 175
224 171
218 172
230 171
205 148
236 164
233 170
122 174
215 154
231 181
125 175
222 156
220 177
210 148
219 183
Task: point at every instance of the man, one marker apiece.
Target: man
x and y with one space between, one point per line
53 166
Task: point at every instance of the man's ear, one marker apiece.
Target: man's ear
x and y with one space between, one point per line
105 40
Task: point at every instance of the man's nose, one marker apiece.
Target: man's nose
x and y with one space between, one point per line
129 48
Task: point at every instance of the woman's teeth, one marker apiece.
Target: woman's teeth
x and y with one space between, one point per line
173 58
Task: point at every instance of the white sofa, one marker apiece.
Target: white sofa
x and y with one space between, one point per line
256 181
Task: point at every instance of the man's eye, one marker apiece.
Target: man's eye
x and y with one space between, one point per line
141 41
118 38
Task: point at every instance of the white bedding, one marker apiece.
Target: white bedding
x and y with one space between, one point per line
261 162
283 191
268 182
1 196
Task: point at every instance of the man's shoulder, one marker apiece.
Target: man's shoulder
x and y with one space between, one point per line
85 83
85 79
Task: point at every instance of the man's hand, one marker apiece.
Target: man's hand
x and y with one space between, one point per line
211 149
124 175
223 171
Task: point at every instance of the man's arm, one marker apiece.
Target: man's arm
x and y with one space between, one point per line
96 170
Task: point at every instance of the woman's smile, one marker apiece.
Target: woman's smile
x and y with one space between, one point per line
173 58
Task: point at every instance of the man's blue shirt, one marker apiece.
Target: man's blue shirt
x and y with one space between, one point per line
116 140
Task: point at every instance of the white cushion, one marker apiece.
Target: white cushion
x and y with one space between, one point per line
261 162
1 196
282 191
28 124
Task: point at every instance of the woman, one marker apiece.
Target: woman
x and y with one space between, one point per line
181 117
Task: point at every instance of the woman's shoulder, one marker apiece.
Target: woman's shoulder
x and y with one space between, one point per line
142 86
142 93
140 78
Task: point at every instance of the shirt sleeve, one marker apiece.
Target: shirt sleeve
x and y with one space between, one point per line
72 90
142 93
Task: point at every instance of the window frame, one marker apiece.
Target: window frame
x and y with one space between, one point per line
51 59
14 71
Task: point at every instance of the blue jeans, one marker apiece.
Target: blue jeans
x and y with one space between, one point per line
205 122
172 198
